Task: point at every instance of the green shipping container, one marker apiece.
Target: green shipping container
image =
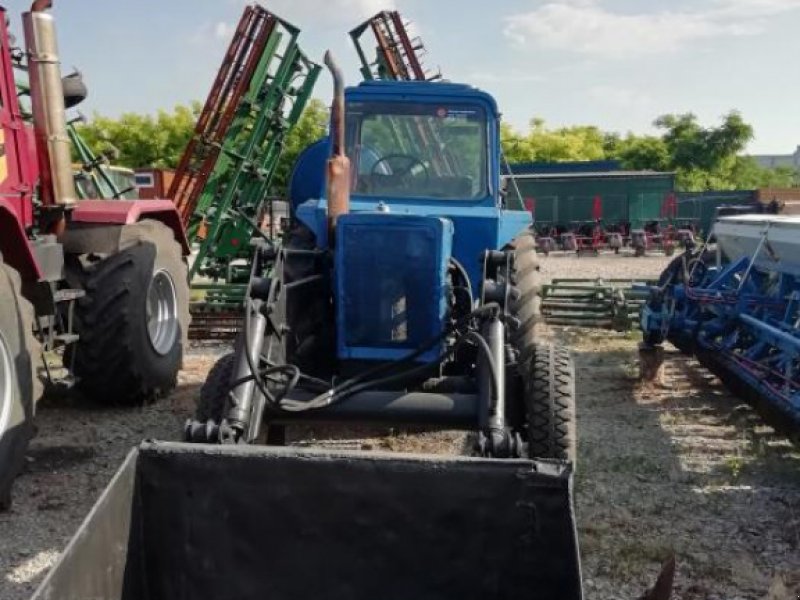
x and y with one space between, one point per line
569 198
700 208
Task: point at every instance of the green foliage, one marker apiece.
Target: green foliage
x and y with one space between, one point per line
580 142
702 158
311 127
640 153
135 141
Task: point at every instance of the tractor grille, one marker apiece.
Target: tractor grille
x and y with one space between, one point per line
391 275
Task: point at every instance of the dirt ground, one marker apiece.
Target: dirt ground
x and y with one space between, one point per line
682 468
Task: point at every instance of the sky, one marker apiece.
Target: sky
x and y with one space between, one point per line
617 64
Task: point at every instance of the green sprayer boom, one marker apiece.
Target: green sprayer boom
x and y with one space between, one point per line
222 181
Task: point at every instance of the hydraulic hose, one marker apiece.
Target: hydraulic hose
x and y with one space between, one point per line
369 379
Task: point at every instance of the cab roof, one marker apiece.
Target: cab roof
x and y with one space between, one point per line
438 89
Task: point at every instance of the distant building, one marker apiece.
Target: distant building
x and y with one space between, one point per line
771 161
568 193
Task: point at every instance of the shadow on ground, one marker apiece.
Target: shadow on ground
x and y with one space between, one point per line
684 468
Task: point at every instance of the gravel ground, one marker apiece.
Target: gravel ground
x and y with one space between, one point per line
682 468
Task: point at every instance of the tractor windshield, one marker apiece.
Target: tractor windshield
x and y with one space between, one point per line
417 150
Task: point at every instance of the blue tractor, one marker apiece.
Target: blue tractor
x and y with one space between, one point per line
405 292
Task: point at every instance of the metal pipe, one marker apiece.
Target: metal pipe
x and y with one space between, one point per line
338 184
492 393
239 415
47 101
396 407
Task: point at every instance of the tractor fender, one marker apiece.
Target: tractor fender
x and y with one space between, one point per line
14 244
126 212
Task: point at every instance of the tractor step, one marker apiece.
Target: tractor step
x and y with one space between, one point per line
68 295
65 339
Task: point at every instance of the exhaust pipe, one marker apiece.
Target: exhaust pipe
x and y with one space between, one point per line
47 100
338 183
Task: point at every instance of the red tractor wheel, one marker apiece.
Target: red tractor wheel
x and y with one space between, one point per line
134 321
20 387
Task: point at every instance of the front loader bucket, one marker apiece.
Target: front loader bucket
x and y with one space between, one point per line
241 522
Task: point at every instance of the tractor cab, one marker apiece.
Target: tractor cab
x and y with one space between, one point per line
423 149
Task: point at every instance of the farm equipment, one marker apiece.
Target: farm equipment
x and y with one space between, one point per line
414 292
658 234
95 178
405 296
92 292
602 303
252 523
398 55
222 181
738 311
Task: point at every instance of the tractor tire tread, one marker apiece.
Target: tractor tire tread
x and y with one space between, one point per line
27 350
111 360
550 400
214 392
527 279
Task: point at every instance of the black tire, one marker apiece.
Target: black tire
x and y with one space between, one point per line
549 380
211 403
527 279
20 387
115 360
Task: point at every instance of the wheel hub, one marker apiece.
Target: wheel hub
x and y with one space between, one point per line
162 312
7 377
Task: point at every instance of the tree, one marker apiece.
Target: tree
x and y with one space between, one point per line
137 141
579 142
311 127
140 141
704 158
640 153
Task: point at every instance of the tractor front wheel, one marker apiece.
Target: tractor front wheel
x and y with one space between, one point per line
134 320
19 385
211 402
527 279
549 388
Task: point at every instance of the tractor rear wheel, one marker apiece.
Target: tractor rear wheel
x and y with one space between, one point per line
134 320
549 384
20 387
527 279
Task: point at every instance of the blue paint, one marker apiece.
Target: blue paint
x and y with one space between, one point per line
391 273
479 224
308 176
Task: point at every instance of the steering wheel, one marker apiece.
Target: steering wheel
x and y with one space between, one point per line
410 160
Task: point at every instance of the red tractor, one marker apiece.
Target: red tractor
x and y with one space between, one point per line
93 293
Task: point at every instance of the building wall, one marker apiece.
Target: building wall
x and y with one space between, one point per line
634 199
771 161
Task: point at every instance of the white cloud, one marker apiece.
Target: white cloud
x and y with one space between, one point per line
754 8
503 76
620 97
223 30
585 26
